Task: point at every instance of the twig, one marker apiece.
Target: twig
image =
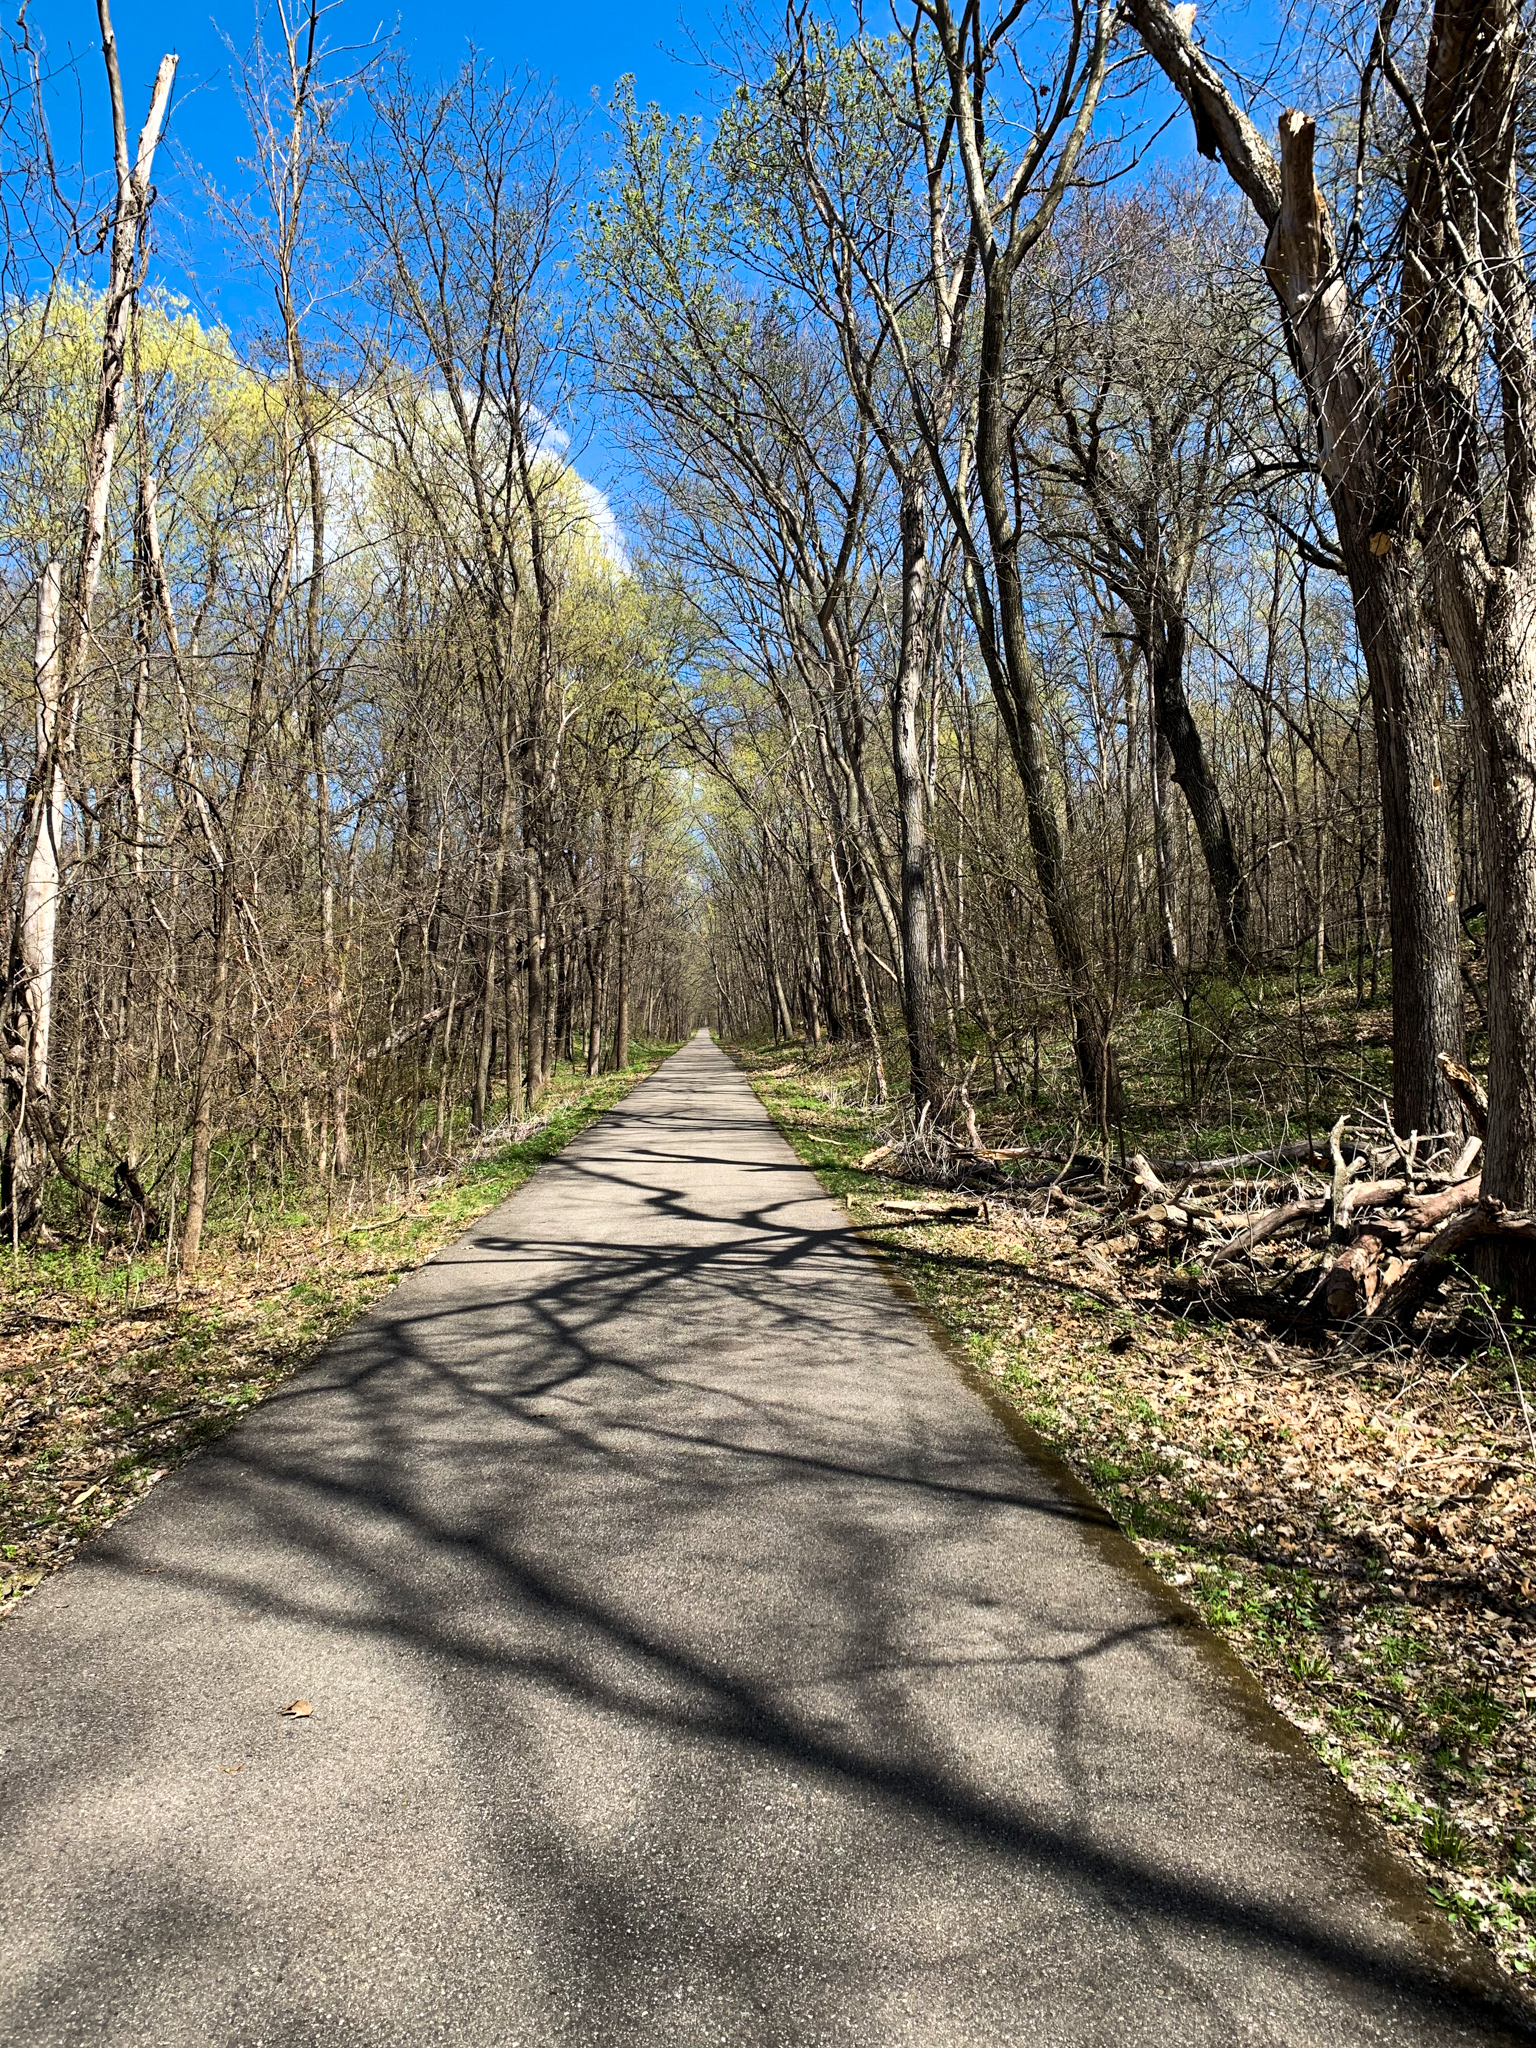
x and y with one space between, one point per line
1514 1366
154 1422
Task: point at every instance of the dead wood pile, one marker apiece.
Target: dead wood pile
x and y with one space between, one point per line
1354 1233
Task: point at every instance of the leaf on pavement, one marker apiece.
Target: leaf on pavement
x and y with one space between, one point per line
299 1709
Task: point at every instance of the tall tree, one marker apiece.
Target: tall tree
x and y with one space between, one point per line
63 639
1328 331
1012 201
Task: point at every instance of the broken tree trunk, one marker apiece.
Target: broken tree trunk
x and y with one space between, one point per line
1470 1090
1352 1279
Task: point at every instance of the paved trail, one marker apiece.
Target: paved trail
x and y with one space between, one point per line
695 1660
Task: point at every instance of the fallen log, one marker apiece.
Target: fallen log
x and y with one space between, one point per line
874 1158
1398 1304
1270 1224
1145 1176
1370 1194
1183 1212
1426 1211
1353 1279
936 1212
1308 1151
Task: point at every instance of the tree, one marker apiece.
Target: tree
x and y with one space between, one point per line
1327 328
1012 203
459 198
1156 369
62 641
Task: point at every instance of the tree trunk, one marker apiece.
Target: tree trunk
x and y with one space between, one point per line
538 989
60 677
1498 664
1197 784
1011 668
210 1062
1466 308
906 760
1324 335
565 1002
493 940
37 929
1162 847
621 966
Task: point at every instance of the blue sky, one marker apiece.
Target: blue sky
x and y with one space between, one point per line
583 50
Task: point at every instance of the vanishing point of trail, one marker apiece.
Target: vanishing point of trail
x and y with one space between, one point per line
694 1659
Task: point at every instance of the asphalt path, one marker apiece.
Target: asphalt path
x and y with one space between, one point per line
695 1659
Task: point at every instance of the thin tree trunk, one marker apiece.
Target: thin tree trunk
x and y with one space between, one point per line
1176 727
209 1067
493 935
906 759
61 678
27 1076
537 981
621 968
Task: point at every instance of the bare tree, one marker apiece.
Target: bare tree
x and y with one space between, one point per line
1328 332
62 643
459 197
1157 368
1012 201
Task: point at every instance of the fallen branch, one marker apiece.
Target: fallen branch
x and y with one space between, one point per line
1305 1151
1342 1175
936 1212
155 1422
1425 1211
403 1035
1270 1224
1370 1194
1400 1302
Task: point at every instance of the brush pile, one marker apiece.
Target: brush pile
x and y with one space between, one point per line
1355 1234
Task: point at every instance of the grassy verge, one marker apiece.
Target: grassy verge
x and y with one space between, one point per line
1362 1535
112 1372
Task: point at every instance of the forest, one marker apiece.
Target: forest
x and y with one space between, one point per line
1055 689
1071 610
